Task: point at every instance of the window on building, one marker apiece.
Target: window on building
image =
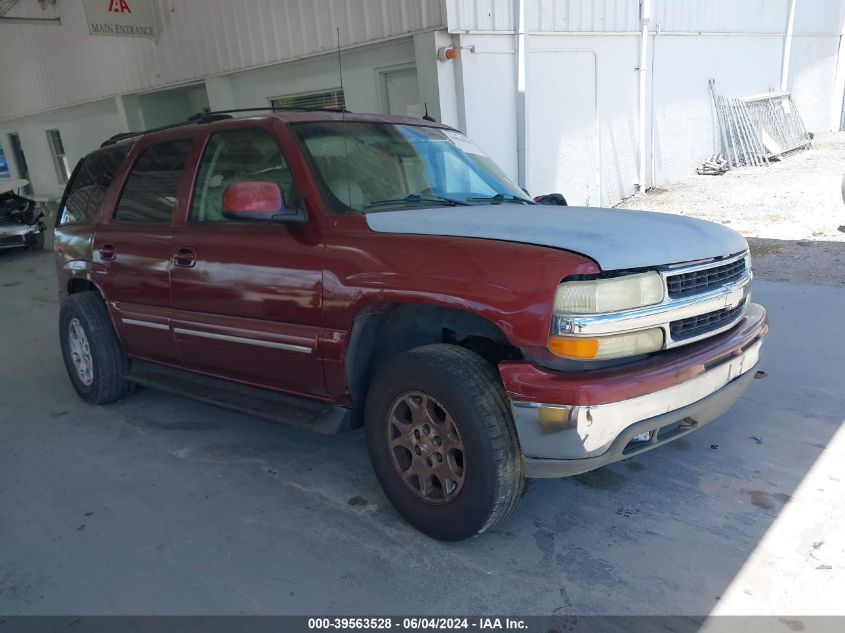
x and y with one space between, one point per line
4 165
237 156
89 184
150 191
327 99
57 148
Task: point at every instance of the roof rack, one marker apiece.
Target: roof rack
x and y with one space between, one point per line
326 108
197 118
210 117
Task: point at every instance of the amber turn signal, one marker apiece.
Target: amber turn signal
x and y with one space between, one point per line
607 347
574 347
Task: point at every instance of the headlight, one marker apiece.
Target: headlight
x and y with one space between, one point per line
609 295
607 347
603 296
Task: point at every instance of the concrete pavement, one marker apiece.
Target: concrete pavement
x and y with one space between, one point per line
161 505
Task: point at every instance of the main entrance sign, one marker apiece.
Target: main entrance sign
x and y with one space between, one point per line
122 18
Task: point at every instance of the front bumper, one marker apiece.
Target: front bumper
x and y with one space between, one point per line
16 235
569 424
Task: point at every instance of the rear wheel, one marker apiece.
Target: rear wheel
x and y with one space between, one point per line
94 359
442 442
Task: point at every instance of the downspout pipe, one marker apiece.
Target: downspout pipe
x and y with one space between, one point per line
642 69
521 129
787 46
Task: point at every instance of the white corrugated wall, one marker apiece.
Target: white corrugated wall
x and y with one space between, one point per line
615 16
581 107
53 66
581 81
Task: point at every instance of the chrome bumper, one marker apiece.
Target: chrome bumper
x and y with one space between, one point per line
581 438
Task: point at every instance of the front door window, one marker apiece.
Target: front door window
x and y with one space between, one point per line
236 156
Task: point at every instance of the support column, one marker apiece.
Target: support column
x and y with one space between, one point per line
220 93
130 113
837 105
436 80
642 69
787 46
521 131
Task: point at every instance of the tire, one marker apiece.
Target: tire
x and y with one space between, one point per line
36 243
454 384
103 377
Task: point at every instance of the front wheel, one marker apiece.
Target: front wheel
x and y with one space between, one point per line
442 442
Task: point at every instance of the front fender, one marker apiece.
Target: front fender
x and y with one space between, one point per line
509 284
502 306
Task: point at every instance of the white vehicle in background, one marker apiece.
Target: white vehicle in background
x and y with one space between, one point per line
21 223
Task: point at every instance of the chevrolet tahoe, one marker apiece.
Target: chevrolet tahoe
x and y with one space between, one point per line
335 270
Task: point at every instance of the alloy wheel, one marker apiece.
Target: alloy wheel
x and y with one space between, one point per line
426 447
80 352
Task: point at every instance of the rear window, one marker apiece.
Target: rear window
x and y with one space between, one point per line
89 184
150 191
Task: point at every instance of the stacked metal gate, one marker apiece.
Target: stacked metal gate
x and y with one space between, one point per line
760 128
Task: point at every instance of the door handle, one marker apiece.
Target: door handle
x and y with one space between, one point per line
107 252
185 257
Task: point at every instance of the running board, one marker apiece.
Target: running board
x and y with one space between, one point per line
318 417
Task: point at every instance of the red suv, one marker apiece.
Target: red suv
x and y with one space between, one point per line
332 270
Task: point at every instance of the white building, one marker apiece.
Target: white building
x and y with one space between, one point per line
588 97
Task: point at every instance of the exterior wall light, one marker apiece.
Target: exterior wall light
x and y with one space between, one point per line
447 53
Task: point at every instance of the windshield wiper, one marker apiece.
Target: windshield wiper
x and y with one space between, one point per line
501 197
417 198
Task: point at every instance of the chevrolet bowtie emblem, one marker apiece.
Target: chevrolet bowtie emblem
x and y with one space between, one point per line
734 297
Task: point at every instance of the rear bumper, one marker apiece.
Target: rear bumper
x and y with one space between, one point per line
572 423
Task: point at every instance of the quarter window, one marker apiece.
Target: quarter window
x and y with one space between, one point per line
236 156
89 184
150 191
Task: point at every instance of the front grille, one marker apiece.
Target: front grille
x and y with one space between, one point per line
15 240
704 323
698 281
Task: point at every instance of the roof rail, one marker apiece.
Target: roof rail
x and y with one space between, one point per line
326 108
210 117
196 119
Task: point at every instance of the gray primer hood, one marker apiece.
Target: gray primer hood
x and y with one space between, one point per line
615 238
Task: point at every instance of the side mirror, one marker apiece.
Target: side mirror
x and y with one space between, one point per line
258 200
551 198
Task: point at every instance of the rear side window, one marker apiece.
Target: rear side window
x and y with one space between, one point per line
150 191
88 186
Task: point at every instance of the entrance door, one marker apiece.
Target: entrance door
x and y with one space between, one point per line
247 295
401 92
561 113
20 160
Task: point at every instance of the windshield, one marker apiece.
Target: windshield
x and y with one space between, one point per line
371 167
